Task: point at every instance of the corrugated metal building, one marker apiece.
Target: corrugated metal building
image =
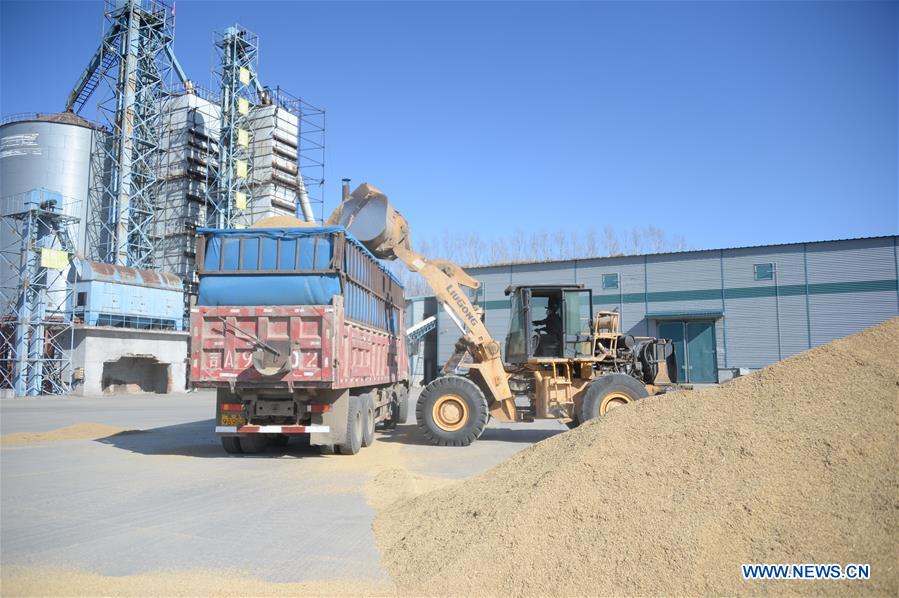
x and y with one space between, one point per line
727 309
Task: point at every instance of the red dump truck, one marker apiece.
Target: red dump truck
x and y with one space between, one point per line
300 331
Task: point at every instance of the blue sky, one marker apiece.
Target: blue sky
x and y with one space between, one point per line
731 123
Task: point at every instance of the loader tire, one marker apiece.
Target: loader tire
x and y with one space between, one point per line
354 428
231 444
368 420
608 392
451 411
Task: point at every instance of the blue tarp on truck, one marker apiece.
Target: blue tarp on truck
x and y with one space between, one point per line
296 266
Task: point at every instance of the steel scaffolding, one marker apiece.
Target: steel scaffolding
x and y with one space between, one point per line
231 193
135 61
35 294
310 154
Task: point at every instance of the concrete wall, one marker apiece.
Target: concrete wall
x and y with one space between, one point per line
128 360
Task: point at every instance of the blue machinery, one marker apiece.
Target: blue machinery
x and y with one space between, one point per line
35 322
40 303
110 295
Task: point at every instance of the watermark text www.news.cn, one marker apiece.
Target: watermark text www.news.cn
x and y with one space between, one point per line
805 571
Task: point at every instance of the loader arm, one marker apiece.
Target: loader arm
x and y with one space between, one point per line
368 215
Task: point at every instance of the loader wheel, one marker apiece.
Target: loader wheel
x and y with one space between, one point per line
354 428
451 411
609 392
231 444
368 420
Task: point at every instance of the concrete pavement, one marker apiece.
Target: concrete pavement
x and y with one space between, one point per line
164 496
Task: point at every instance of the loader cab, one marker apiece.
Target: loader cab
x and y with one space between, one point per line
549 321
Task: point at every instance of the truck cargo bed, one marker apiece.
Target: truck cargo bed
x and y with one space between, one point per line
326 349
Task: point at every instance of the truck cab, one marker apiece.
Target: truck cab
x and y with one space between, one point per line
549 321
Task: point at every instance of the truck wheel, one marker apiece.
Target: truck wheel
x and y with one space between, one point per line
368 420
607 393
399 410
231 444
280 440
354 428
253 444
451 411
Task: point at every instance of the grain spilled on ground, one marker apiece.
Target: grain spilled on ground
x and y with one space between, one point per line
37 581
385 468
391 485
795 463
83 431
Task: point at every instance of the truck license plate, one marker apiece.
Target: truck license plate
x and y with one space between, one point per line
233 419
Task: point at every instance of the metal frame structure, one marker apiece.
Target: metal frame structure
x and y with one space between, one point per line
310 152
190 142
231 190
135 60
36 326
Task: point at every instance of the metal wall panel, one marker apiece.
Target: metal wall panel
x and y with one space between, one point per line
761 322
720 345
739 271
851 261
683 271
628 299
840 314
751 332
498 324
494 282
447 335
794 331
554 273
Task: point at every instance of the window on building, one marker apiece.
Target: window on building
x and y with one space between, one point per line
82 299
764 271
610 281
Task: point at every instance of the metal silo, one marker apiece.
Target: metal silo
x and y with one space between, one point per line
50 151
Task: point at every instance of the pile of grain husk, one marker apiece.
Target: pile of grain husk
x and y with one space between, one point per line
793 464
83 431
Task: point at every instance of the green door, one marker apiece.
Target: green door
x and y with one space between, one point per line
694 349
701 365
675 331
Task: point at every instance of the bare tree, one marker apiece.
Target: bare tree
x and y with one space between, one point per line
472 249
610 241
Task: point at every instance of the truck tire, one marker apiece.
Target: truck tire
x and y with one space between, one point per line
280 440
231 444
253 443
451 411
354 428
608 392
368 420
399 410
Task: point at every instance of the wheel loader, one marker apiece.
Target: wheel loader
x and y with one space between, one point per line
569 363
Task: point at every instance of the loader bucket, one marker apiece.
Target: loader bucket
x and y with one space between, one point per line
368 215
